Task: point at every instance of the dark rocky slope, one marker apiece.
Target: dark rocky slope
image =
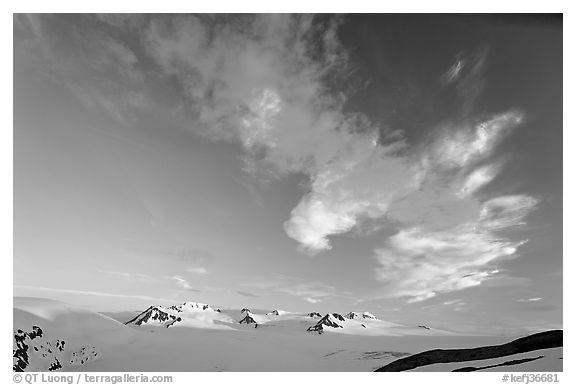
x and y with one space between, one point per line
543 340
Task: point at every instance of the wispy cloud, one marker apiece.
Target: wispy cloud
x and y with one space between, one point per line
246 294
75 51
536 299
263 82
197 270
191 255
94 293
297 287
466 75
183 283
271 97
312 300
128 276
447 237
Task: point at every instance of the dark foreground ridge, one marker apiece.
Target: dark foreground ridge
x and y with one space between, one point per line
543 340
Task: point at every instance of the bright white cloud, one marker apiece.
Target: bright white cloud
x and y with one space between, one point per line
261 81
420 264
261 87
506 211
478 178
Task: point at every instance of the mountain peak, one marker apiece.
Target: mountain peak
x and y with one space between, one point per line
366 315
248 319
155 315
191 306
329 320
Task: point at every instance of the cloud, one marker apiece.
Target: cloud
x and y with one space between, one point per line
453 302
530 299
466 76
94 293
264 85
180 281
128 276
265 82
316 290
246 294
195 256
298 287
103 72
197 270
312 300
420 264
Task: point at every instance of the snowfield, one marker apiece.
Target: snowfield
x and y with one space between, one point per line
51 334
197 337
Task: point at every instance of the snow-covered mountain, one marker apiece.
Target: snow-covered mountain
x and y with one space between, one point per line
155 315
51 335
248 319
192 314
203 316
365 315
192 307
329 320
368 315
366 323
277 312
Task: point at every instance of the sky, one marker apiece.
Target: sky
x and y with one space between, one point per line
406 165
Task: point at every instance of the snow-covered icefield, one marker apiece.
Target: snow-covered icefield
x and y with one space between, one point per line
197 337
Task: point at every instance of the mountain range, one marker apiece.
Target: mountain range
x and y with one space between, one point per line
51 335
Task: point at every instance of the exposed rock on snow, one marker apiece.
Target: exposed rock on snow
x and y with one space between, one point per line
51 335
314 314
189 314
33 351
352 315
156 315
277 312
191 306
366 315
329 320
338 316
248 319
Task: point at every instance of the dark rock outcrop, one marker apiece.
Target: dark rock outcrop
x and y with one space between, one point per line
338 316
544 340
248 319
155 314
351 315
325 321
273 312
20 352
33 351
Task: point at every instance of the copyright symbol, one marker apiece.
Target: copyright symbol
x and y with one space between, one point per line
17 378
